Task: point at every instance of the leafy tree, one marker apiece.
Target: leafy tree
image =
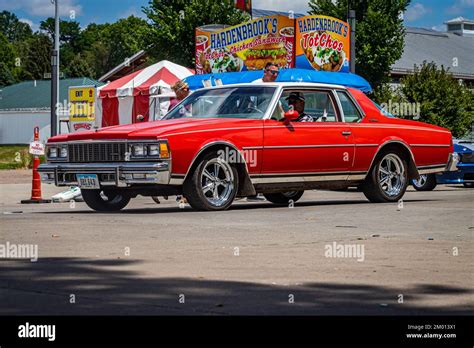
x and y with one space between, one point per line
379 33
174 21
443 100
36 59
69 31
79 67
7 61
12 28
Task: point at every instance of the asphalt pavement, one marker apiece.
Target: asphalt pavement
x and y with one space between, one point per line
333 253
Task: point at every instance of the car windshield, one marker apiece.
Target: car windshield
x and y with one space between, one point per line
234 102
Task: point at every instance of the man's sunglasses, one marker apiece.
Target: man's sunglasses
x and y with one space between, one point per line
274 72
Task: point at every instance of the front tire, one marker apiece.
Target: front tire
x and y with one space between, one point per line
100 200
468 184
427 182
283 198
213 185
388 179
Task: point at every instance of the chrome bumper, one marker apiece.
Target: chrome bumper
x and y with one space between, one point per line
110 174
453 161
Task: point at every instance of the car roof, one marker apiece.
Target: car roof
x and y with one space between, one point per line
281 84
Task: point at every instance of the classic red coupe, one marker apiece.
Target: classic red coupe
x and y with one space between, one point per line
239 140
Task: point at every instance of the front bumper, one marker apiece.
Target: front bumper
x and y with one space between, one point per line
110 174
453 161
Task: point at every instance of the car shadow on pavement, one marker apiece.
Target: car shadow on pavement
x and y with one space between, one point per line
77 286
236 206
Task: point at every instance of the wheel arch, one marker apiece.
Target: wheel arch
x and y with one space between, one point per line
405 149
246 187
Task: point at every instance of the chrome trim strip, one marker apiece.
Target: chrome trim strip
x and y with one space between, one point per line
310 178
307 146
304 174
430 145
432 166
366 145
252 147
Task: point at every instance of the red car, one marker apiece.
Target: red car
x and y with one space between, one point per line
239 140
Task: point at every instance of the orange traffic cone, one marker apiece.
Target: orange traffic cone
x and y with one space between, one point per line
36 183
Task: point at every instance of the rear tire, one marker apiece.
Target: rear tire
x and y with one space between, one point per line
213 185
427 182
388 178
468 184
100 200
283 198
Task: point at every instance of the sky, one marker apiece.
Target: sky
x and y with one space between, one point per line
421 13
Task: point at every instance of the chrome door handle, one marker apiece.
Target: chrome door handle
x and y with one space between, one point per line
346 133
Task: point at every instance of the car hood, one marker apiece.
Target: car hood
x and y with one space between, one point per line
157 129
463 147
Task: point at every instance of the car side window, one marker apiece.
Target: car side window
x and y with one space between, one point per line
316 104
351 113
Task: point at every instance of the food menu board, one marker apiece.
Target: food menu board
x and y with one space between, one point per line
322 43
247 46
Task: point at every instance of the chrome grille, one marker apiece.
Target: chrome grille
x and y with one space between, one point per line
97 152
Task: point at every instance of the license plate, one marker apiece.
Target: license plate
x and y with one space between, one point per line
88 181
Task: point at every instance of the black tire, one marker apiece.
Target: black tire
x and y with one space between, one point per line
195 185
104 200
468 184
373 188
283 198
428 182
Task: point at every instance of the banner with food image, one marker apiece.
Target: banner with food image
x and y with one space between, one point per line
247 46
322 43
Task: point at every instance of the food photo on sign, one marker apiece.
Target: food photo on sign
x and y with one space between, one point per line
247 46
322 43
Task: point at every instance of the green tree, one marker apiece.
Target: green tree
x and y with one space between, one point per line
443 100
79 67
174 22
7 61
12 28
379 33
36 60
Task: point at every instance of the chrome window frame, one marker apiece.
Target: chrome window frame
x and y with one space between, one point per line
328 90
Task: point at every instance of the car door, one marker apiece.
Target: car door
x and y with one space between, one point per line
322 147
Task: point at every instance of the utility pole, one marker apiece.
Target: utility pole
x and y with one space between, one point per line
351 18
55 72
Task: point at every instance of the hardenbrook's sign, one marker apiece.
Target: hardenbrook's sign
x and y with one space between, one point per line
19 251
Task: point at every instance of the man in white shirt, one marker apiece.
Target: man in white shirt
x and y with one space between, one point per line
270 73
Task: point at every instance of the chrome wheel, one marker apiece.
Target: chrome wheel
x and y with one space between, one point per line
217 182
391 175
421 181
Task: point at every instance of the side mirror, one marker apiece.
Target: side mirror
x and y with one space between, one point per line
291 115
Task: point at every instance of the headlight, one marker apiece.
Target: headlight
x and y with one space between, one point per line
52 152
138 150
150 150
63 151
154 150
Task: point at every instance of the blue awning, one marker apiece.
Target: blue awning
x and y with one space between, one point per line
286 75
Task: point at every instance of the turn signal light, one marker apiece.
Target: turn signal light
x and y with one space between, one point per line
164 151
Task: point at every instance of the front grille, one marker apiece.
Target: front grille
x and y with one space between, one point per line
97 152
467 157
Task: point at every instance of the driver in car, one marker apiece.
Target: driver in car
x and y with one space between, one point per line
296 99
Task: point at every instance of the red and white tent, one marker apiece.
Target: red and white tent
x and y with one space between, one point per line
122 100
